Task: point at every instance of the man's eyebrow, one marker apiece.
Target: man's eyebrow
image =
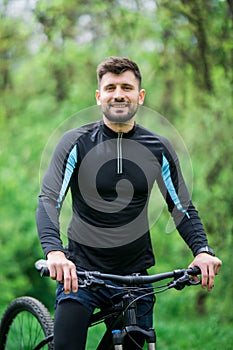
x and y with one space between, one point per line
114 84
128 85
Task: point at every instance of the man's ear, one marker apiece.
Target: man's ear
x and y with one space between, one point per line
97 96
141 98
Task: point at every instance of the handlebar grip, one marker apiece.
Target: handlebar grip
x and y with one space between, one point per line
44 272
41 266
195 270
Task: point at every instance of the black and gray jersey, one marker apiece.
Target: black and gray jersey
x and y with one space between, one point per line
110 176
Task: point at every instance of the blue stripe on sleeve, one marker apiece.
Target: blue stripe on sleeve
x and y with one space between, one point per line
70 166
166 174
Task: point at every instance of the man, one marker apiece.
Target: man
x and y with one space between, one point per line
110 167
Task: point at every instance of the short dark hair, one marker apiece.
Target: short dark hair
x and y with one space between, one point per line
118 65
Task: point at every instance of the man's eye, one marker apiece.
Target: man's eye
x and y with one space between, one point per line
110 88
127 88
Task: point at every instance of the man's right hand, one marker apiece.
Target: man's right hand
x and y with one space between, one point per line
62 270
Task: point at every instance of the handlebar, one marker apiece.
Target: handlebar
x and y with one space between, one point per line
130 280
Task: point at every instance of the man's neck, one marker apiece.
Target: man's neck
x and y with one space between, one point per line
119 127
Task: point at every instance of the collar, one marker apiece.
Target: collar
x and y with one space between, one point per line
110 133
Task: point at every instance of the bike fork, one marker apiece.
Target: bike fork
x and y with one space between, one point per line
119 335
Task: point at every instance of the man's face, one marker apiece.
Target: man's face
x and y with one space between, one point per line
119 96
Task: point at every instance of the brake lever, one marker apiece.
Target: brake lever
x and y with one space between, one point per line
193 283
182 282
91 282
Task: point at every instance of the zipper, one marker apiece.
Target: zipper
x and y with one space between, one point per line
119 153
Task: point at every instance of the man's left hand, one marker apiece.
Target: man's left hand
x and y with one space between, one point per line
210 267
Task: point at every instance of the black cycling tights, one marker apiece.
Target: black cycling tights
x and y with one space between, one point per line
70 326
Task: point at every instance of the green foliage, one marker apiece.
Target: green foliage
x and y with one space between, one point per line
47 74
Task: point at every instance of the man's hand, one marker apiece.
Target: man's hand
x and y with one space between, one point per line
62 270
210 267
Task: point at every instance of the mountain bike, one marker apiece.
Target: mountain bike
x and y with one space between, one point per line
27 324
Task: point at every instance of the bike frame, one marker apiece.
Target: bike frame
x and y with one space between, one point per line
123 310
117 336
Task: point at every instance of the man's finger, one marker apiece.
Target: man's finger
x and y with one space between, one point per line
74 280
217 267
60 274
52 271
67 280
211 277
204 277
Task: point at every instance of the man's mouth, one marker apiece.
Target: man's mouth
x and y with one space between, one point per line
119 105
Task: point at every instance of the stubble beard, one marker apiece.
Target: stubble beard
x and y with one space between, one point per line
119 115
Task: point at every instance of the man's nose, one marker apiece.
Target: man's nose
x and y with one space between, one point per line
118 95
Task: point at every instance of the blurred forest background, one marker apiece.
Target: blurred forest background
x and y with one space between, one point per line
49 51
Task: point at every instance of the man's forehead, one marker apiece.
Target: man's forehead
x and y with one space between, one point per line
126 77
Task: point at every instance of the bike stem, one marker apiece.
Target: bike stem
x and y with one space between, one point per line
130 307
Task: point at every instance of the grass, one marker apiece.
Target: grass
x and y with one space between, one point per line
183 333
194 334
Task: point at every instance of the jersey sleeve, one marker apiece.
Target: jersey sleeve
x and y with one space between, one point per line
175 192
53 191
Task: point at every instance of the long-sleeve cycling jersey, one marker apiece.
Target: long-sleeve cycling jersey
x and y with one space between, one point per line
110 176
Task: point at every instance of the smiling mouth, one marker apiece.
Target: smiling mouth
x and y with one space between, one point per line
119 105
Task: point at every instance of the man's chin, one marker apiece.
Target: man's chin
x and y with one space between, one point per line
118 118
